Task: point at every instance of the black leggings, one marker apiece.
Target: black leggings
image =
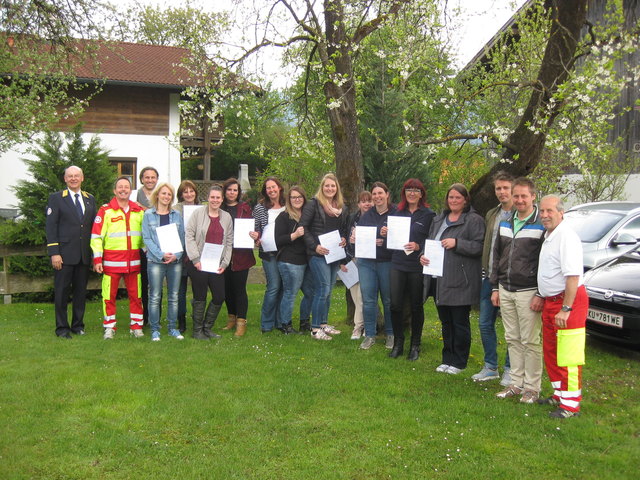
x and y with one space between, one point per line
201 281
236 291
411 284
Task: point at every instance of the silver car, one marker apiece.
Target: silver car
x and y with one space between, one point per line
607 229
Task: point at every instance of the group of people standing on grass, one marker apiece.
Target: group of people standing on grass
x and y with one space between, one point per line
303 244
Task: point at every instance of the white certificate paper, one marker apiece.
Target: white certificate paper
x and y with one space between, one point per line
398 232
366 242
434 251
210 257
268 238
169 239
350 277
187 211
241 229
331 241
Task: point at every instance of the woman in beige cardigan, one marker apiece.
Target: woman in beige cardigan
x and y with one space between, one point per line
211 228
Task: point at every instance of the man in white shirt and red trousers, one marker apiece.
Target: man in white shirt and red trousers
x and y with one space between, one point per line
565 309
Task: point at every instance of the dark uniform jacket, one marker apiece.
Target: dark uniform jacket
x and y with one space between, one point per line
67 234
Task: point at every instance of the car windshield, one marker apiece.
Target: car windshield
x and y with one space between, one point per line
591 225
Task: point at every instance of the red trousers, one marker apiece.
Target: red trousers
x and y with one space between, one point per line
110 283
566 381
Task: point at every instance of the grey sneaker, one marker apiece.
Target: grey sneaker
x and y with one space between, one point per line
529 396
109 333
485 374
506 378
442 368
367 343
389 342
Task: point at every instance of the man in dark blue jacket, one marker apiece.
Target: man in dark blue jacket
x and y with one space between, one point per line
514 283
70 215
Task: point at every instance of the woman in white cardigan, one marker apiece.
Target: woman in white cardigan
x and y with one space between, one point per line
211 227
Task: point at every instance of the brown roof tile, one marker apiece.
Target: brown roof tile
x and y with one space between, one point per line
137 63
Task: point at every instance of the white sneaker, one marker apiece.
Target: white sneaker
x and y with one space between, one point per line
442 368
454 370
330 329
138 333
357 333
320 335
176 334
109 333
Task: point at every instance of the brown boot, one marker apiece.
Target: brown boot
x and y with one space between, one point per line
231 323
241 327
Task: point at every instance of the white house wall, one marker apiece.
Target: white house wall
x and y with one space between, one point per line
150 150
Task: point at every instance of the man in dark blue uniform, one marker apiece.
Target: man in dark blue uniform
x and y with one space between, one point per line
70 215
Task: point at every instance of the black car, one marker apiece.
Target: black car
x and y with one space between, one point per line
614 299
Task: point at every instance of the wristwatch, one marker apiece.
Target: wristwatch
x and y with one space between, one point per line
566 308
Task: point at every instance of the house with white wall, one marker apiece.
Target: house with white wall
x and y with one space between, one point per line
135 114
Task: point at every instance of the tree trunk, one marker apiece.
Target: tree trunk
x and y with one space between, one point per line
340 90
567 17
346 143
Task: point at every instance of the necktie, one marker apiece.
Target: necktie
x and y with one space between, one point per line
78 206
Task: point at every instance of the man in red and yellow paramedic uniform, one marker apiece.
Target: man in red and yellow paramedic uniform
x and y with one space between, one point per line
116 240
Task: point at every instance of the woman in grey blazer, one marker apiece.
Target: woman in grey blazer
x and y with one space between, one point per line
209 227
460 231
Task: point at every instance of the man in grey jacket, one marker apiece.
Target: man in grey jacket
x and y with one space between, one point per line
502 183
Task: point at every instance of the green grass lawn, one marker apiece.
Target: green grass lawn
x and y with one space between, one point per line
277 407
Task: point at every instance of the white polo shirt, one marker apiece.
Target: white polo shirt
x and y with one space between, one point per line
560 256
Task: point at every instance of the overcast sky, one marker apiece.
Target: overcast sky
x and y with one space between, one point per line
479 21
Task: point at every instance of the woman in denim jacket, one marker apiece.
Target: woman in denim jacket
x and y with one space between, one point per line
161 264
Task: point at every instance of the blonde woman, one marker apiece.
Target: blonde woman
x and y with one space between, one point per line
323 214
161 265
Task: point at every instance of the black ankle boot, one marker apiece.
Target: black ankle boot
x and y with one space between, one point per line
305 326
398 348
414 353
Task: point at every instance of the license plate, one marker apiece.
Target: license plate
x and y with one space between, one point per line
605 318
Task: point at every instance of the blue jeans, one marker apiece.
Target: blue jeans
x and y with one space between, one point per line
307 292
487 325
157 272
375 277
272 294
324 277
292 276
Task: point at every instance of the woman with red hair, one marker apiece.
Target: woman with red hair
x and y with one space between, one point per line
406 271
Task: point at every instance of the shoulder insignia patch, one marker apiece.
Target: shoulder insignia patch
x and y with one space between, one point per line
49 211
98 219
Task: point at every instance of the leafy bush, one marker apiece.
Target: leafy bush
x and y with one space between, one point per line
53 153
